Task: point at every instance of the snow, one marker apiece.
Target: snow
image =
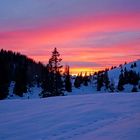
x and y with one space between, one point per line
81 117
114 74
90 89
32 93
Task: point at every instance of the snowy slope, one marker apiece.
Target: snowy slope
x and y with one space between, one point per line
114 74
32 93
83 117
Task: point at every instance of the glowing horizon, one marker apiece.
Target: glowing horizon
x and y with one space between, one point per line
90 35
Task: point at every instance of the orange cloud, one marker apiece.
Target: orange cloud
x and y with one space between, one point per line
72 40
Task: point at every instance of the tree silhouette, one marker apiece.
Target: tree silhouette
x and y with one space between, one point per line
21 80
4 75
99 81
53 82
78 80
106 79
85 80
68 84
121 81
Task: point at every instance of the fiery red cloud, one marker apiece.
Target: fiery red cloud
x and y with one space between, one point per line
105 40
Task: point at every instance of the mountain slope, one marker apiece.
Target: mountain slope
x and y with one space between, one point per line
114 73
83 117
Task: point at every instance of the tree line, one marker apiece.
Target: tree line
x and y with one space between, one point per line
25 72
102 82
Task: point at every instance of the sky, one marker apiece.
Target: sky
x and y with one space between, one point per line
89 34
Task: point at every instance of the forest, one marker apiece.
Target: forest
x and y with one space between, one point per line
53 78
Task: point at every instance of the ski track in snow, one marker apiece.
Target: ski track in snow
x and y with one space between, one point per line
83 117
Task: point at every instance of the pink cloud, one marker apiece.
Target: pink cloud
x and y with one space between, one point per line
70 35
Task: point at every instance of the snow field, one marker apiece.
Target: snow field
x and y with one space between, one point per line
83 117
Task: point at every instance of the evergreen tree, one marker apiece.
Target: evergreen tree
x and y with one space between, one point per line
132 66
4 76
68 84
112 68
21 80
106 79
54 62
121 82
139 86
85 80
81 78
77 82
133 77
18 68
47 82
135 64
54 84
99 81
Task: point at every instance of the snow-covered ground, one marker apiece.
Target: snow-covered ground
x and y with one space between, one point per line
84 117
114 74
32 93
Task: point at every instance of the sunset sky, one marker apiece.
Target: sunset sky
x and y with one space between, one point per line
89 34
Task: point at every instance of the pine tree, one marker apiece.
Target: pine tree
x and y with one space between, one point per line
54 83
18 68
68 84
4 76
132 66
139 86
135 64
54 62
133 77
126 76
85 80
106 79
77 82
121 82
21 80
99 81
47 82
